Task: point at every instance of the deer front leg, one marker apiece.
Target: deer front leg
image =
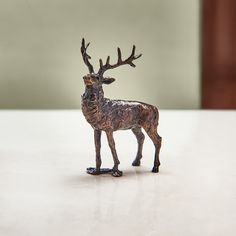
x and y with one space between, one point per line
97 142
111 142
98 170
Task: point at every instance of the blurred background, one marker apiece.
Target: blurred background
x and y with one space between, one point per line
41 65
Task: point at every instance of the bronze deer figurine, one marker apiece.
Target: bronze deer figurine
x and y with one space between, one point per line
104 114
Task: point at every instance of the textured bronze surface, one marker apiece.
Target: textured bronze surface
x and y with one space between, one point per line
108 115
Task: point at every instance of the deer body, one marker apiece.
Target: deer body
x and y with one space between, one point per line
108 115
105 114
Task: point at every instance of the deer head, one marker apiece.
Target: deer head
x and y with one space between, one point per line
93 79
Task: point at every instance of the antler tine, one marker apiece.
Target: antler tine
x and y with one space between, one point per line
108 60
128 61
133 53
119 61
85 56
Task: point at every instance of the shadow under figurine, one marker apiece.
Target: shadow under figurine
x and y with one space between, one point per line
108 115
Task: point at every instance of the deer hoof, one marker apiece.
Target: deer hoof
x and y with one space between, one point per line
136 163
93 171
117 173
155 169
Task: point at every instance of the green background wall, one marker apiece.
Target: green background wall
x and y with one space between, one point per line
41 65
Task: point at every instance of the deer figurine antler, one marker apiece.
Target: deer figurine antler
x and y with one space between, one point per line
128 61
108 115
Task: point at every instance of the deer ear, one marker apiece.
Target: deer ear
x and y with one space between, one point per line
108 80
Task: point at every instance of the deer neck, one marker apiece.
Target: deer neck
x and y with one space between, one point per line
92 101
93 96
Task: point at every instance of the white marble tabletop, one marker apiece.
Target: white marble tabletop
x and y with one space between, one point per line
44 189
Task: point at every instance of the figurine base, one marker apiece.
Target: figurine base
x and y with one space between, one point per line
94 171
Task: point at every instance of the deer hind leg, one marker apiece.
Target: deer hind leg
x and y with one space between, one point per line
140 138
111 142
156 139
